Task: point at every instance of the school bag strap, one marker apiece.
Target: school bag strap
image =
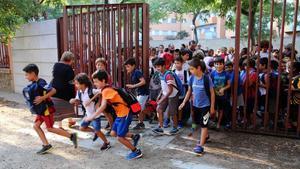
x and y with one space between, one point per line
206 84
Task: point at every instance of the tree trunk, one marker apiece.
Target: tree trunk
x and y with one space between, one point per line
194 23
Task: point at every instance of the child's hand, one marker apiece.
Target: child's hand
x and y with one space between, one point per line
87 119
76 102
130 86
181 106
212 110
38 100
221 91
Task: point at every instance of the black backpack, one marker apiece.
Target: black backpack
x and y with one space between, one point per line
206 84
129 99
91 95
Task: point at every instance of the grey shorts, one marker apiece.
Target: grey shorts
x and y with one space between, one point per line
173 104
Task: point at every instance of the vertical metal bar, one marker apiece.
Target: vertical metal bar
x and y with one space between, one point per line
120 62
125 50
130 32
74 34
65 29
108 38
137 27
266 115
102 33
81 41
280 63
145 36
97 44
248 53
292 63
258 57
236 58
113 45
298 122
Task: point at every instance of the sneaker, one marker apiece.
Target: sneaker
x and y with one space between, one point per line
71 124
158 131
73 138
95 137
45 149
174 131
136 139
180 125
105 146
198 149
166 123
134 155
139 126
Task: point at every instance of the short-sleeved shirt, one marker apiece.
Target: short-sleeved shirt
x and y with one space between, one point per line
220 81
44 88
112 96
135 78
200 98
166 80
85 98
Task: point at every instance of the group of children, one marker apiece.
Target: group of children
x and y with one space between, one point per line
181 86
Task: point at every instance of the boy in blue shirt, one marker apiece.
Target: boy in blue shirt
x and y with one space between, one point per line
201 86
221 81
138 83
43 92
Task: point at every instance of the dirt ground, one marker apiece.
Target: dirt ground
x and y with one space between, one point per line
19 143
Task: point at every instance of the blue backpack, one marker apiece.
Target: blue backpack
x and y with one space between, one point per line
179 86
30 92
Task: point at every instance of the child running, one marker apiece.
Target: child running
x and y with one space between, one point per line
201 86
37 96
84 94
124 116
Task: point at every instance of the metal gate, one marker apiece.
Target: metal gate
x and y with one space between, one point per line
284 119
4 55
115 32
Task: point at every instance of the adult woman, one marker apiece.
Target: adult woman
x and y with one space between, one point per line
63 76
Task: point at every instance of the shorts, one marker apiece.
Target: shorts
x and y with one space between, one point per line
49 120
201 116
220 103
96 124
173 104
121 125
142 99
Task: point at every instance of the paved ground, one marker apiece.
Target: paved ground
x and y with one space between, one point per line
18 144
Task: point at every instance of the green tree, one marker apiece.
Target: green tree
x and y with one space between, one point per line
182 35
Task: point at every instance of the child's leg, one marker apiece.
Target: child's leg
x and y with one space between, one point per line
97 128
220 118
204 134
126 143
173 109
160 117
59 131
109 118
175 121
40 132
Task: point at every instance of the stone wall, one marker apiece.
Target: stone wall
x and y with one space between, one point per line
34 43
6 80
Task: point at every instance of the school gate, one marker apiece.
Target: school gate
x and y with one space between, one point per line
284 120
113 31
120 31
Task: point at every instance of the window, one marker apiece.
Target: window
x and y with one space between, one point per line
173 20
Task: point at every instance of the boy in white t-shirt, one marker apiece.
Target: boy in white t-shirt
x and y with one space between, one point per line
184 77
83 96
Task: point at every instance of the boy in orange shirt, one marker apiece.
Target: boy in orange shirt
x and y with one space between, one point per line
121 125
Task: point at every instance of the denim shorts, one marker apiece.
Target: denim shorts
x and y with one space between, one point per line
96 124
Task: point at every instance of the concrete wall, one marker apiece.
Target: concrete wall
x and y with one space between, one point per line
34 43
6 80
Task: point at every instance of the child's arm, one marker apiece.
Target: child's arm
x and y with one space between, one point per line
98 111
212 101
141 83
74 101
226 87
40 99
186 98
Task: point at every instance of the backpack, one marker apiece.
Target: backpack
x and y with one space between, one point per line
206 84
30 92
130 100
154 83
179 85
185 73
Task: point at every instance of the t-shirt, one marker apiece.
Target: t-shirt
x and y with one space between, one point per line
220 81
63 74
170 80
90 109
44 88
184 80
135 78
112 96
200 98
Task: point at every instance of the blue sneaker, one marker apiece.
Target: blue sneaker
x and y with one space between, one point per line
166 123
174 131
198 149
134 155
180 125
158 130
136 139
